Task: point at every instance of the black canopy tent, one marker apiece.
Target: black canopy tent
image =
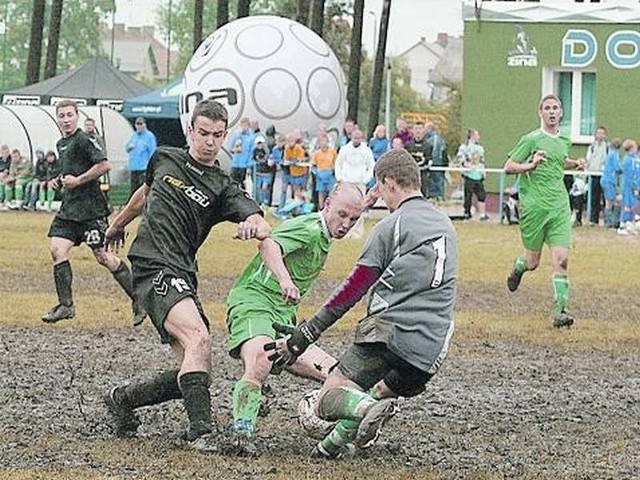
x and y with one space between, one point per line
96 82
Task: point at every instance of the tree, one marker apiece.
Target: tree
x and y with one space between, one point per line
302 11
316 20
35 42
222 13
244 7
53 41
198 8
378 70
355 59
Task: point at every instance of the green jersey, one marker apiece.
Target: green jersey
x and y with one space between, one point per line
305 243
78 153
543 188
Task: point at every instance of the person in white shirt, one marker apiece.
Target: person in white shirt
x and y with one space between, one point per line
355 165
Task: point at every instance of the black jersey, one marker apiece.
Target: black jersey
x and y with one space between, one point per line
78 153
186 199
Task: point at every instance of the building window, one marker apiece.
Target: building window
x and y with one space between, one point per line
577 91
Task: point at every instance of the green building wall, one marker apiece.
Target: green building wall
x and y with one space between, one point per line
502 101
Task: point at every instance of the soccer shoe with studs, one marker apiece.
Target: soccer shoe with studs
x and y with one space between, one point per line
513 280
59 312
374 420
125 421
562 320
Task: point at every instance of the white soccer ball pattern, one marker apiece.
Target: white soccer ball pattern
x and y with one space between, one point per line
268 68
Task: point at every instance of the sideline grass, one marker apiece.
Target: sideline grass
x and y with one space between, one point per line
601 265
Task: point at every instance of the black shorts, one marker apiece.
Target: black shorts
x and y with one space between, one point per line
160 288
368 363
90 232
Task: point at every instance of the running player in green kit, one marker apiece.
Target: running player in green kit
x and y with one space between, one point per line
268 292
540 158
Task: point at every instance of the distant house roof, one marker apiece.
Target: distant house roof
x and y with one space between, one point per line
95 80
449 67
434 48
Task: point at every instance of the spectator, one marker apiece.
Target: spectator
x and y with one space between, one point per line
379 144
596 155
578 199
418 150
629 187
38 186
355 165
5 163
403 132
140 147
241 146
324 161
436 152
396 144
347 130
610 182
471 155
20 176
265 170
294 157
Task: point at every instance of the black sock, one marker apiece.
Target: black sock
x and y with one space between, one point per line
161 388
197 401
122 274
63 277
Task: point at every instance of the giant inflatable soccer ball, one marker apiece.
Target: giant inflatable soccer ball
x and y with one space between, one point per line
271 69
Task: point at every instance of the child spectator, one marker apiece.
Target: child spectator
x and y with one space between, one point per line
294 156
610 182
578 198
265 170
510 210
324 161
629 187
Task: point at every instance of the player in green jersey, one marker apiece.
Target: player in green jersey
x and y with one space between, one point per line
269 291
83 214
540 158
184 195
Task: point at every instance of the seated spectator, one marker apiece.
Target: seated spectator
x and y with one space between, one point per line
20 176
38 185
5 163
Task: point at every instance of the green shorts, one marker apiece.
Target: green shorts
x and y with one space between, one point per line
251 313
552 227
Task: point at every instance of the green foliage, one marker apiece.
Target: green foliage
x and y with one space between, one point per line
79 36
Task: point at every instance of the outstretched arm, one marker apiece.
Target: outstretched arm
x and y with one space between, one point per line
114 237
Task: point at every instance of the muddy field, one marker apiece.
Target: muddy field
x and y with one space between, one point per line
498 408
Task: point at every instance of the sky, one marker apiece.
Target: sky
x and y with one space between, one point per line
410 20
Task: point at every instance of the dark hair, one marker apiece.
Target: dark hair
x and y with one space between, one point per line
399 165
49 153
212 110
66 103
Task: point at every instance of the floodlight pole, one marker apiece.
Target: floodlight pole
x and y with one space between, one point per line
169 44
113 30
5 24
387 101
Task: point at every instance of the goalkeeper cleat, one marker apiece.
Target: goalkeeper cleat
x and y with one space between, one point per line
513 280
125 420
562 319
59 312
374 420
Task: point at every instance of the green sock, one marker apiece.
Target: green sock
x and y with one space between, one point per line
344 403
19 192
51 193
344 432
2 191
520 266
246 401
41 195
560 292
9 193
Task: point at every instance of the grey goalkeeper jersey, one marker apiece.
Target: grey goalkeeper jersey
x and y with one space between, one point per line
411 305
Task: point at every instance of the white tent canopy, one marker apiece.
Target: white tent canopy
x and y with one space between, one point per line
29 127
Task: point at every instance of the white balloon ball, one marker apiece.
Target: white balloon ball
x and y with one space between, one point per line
271 69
